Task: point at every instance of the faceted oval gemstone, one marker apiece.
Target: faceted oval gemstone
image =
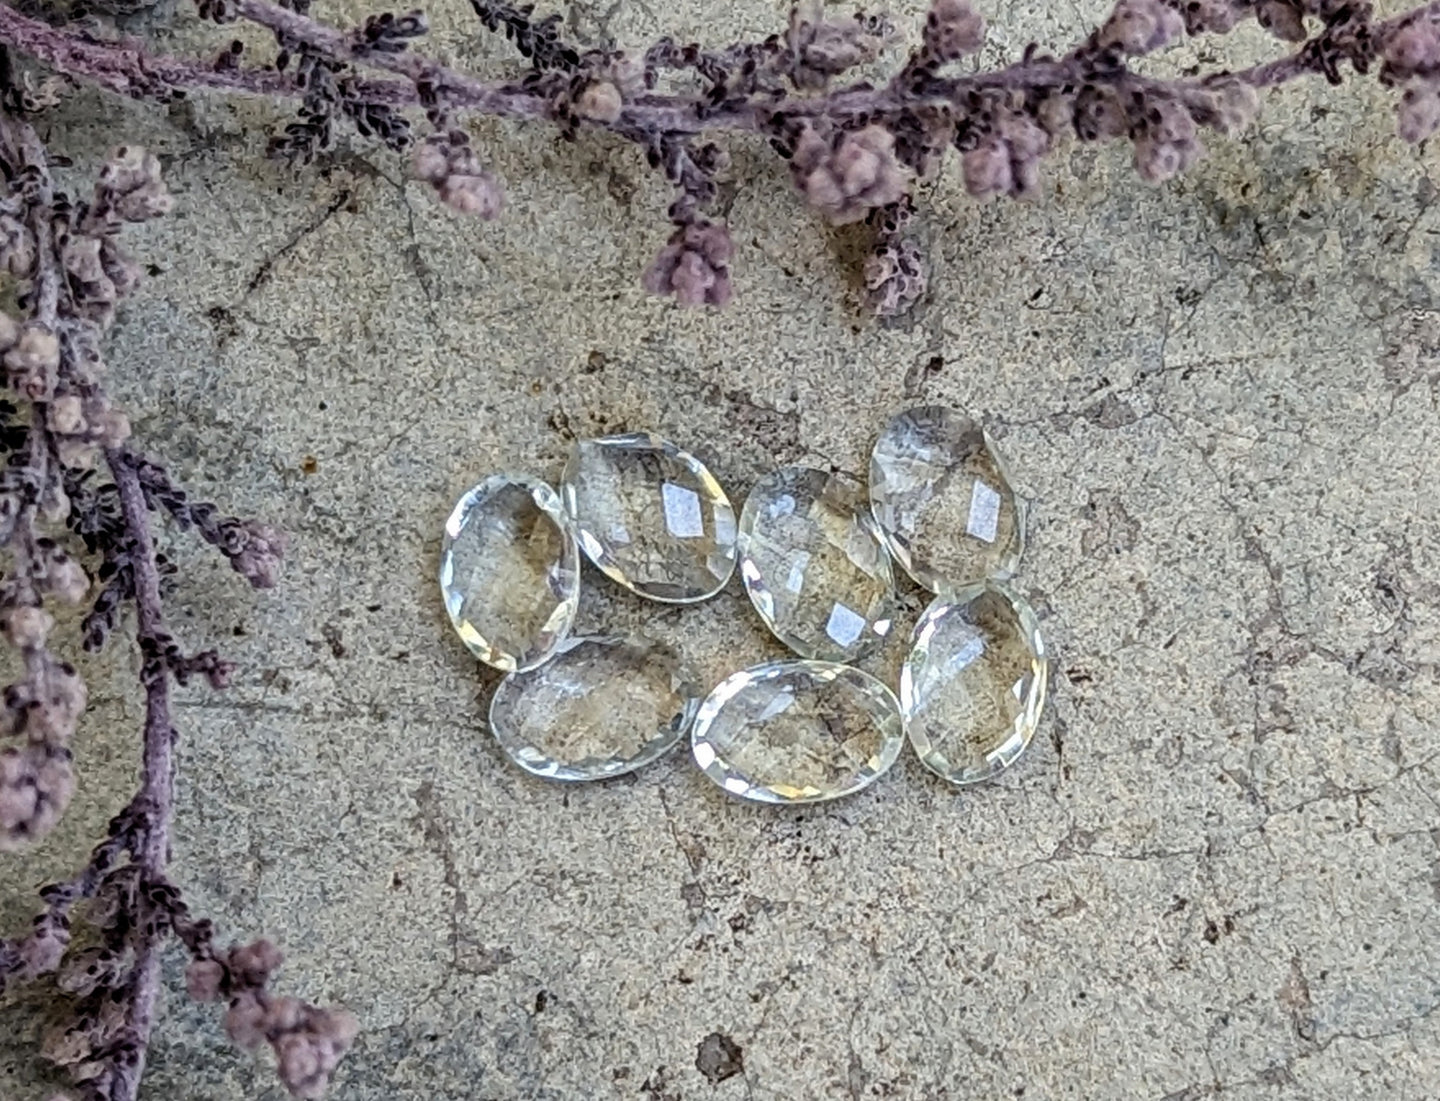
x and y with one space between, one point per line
941 496
510 571
650 516
601 706
973 687
797 732
814 564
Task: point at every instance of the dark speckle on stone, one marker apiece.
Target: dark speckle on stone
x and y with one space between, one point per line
333 638
719 1058
1111 412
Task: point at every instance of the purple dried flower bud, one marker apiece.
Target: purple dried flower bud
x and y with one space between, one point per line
36 785
449 165
54 706
86 971
81 257
1056 113
17 246
64 576
821 48
1100 114
430 162
1414 48
952 30
694 266
1027 139
308 1056
1137 27
599 102
251 965
65 416
54 504
27 628
203 980
78 452
895 278
987 169
131 181
44 949
285 1014
1418 114
1168 121
849 174
1167 143
111 427
122 271
258 557
1282 18
67 1045
1007 162
19 802
1212 16
479 194
1158 161
33 362
302 1065
245 1021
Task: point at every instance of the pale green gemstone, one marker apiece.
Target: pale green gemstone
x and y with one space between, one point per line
814 564
942 498
650 516
510 571
797 732
601 706
973 687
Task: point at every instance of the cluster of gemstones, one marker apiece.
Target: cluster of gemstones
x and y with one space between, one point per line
818 555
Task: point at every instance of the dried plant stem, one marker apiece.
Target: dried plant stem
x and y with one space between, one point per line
66 259
125 68
157 774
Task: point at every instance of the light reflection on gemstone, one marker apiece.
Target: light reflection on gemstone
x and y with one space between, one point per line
942 498
650 516
602 706
797 732
814 564
973 687
510 571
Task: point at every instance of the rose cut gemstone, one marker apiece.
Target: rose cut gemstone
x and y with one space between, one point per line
650 516
814 564
974 684
510 571
797 732
942 498
602 706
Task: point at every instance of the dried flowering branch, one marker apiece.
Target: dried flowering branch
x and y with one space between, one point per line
855 149
65 257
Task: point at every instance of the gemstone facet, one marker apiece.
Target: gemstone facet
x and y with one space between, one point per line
650 516
814 564
510 571
973 687
602 706
797 732
942 498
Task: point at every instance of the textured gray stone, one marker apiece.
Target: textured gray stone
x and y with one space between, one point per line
1214 874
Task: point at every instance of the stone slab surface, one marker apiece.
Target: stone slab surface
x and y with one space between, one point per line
1215 874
